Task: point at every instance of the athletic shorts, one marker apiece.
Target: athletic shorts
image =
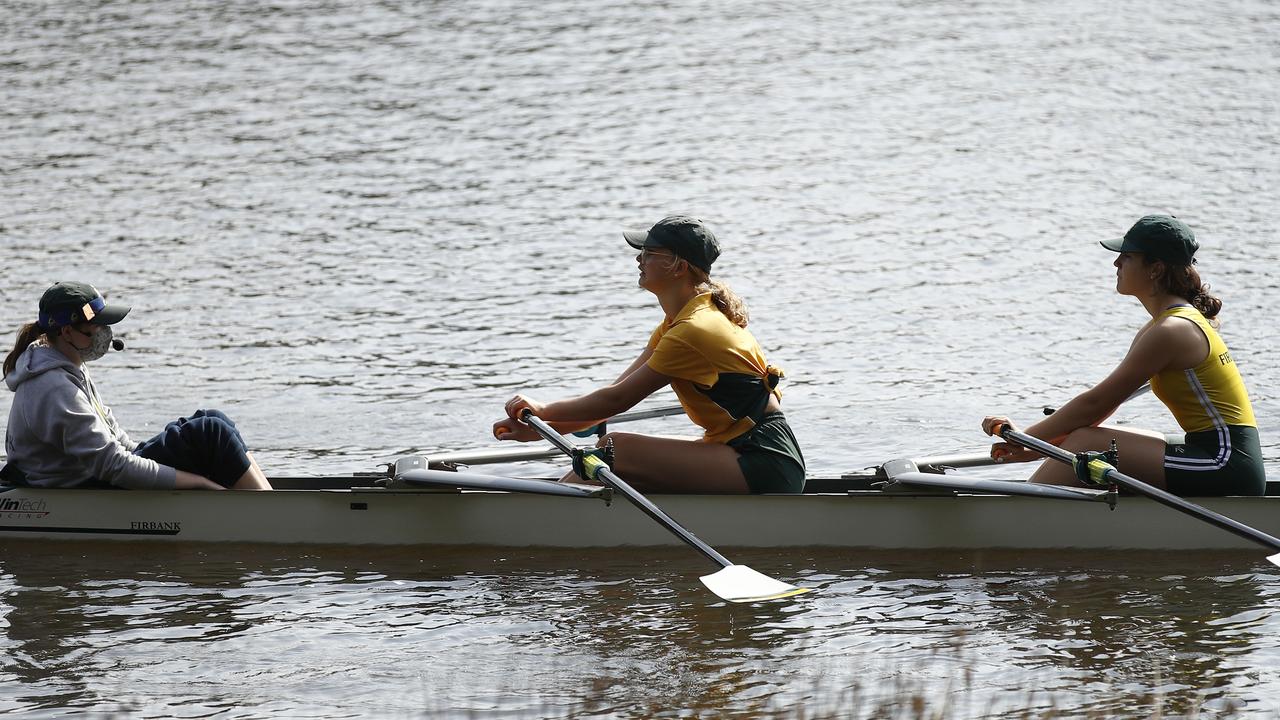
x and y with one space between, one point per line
769 456
1215 462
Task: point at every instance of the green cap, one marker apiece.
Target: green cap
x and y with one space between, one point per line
66 303
1163 237
685 236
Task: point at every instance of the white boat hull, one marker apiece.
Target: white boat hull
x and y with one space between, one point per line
378 516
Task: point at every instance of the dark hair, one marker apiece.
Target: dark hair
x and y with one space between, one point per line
1184 282
27 335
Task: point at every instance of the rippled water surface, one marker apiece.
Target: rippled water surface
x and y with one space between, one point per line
359 227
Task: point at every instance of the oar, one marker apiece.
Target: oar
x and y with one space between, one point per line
1102 472
906 472
735 583
476 481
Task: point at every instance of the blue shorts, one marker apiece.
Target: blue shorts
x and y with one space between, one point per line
207 444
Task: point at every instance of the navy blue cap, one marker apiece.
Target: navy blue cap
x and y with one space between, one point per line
67 303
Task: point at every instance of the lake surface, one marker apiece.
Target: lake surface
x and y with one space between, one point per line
359 228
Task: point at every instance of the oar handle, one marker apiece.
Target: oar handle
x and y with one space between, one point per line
610 479
1006 431
547 432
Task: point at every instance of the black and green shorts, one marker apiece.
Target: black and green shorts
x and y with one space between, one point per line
769 456
1222 461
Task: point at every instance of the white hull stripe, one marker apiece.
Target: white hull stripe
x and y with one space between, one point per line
1219 425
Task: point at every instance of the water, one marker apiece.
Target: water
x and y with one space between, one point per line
236 631
360 228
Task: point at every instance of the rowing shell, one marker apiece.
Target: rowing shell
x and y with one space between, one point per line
856 511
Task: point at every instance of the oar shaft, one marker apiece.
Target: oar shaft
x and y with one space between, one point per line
657 514
620 486
1161 496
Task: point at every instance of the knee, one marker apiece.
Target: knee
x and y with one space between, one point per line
216 414
1073 442
211 427
614 438
1090 438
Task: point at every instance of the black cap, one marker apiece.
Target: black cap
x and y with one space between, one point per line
1163 237
685 236
66 303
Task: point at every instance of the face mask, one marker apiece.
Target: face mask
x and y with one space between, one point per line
100 343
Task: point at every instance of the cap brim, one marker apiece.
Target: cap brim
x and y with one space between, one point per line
636 238
1114 244
110 315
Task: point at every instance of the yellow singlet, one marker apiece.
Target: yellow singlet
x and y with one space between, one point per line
1210 395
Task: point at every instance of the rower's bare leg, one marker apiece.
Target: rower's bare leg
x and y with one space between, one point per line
659 464
1141 455
253 478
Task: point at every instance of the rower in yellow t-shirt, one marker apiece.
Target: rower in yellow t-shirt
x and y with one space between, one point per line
703 350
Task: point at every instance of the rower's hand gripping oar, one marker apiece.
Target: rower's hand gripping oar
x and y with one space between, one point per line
1097 468
735 583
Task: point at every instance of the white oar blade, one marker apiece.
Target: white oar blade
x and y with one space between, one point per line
1275 559
739 583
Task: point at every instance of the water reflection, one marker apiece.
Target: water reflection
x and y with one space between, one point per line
1047 627
565 633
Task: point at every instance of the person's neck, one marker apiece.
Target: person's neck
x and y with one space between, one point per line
675 298
1159 302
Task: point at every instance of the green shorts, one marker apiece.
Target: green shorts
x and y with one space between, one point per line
1215 462
769 456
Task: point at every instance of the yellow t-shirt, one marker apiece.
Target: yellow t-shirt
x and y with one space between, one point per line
1210 395
716 368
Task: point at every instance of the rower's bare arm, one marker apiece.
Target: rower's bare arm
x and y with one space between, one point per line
1149 355
636 364
583 411
624 394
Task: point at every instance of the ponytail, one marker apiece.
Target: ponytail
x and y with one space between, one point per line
724 298
27 335
1207 304
1184 281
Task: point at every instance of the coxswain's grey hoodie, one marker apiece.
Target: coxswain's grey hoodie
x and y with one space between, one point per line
60 432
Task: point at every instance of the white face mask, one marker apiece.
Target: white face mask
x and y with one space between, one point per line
99 344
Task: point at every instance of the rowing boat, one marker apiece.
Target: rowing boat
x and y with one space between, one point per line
902 504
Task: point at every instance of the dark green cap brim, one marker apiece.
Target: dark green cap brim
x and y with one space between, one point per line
636 238
1117 245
